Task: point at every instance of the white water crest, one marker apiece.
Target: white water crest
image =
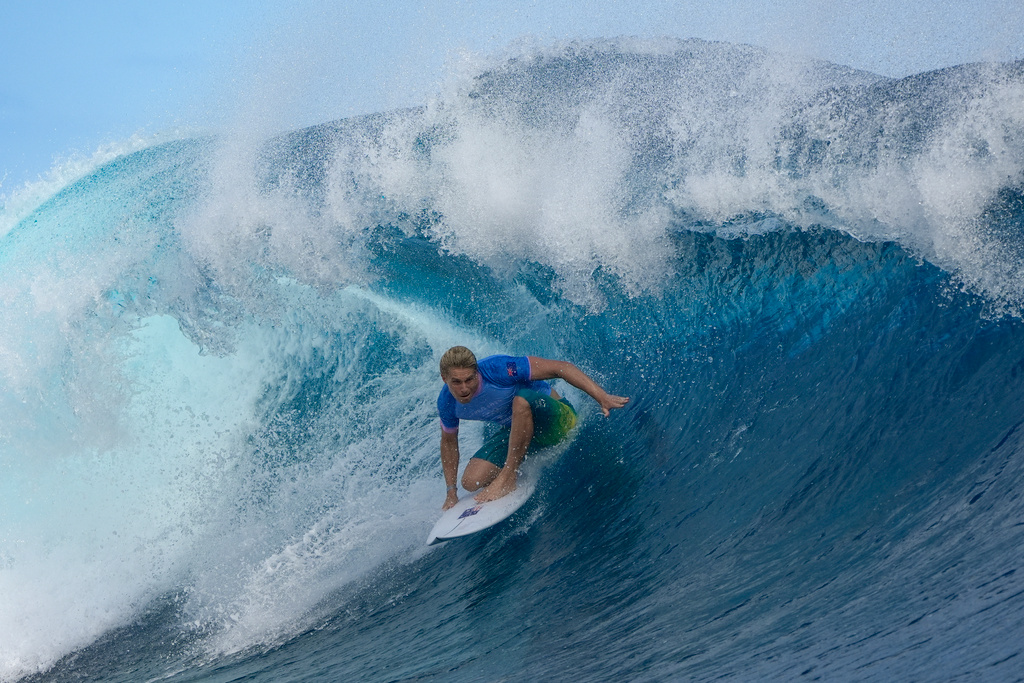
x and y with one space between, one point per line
584 157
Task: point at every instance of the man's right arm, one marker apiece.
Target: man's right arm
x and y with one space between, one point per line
450 466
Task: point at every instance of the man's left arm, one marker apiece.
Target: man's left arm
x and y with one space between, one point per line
545 368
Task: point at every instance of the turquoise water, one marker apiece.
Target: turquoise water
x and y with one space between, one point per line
218 373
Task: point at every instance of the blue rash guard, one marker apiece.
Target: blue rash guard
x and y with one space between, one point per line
500 378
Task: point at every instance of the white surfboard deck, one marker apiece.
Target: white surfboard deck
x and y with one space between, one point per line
468 516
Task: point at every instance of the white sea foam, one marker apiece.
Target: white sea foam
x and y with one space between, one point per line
589 170
92 536
198 497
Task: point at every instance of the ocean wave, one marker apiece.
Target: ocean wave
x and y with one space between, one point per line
219 358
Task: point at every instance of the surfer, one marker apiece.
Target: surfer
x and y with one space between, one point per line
511 392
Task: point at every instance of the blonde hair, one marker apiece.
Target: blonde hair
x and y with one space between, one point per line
457 357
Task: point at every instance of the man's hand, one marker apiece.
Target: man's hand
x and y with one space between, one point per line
608 403
503 484
451 499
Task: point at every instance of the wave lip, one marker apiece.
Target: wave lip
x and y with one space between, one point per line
586 157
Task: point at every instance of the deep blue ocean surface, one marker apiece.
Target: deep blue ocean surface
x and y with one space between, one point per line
218 365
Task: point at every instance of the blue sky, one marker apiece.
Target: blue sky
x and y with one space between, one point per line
80 75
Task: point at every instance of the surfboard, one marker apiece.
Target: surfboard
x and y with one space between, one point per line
468 516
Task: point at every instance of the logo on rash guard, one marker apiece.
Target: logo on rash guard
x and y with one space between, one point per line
511 368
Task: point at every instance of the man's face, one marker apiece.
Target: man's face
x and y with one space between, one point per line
463 383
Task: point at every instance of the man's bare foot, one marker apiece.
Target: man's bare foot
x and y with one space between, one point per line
496 489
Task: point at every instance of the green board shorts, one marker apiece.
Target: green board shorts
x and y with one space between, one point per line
553 418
